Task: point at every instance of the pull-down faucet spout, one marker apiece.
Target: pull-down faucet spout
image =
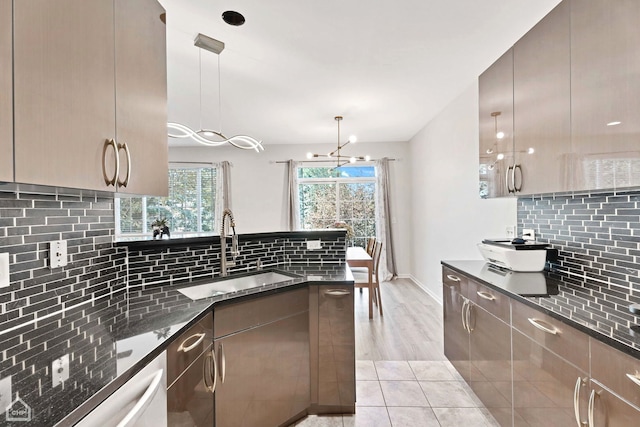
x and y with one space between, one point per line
224 264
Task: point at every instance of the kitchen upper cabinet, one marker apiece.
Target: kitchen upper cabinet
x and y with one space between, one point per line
495 87
6 91
542 106
605 93
90 95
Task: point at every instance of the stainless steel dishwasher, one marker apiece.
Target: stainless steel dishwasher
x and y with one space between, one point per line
140 402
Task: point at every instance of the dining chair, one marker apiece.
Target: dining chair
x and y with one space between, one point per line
370 244
361 278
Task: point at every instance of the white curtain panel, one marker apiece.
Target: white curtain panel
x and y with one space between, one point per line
383 220
293 203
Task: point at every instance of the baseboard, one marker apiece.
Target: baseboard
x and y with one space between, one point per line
428 291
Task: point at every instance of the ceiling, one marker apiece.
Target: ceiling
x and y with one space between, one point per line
387 67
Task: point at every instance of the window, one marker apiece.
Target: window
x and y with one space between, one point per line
189 209
328 194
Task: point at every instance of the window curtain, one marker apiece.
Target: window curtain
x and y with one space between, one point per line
383 219
223 190
293 203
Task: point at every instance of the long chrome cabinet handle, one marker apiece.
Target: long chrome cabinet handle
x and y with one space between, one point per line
464 307
223 363
453 278
513 175
576 400
635 378
506 180
337 292
469 307
486 295
187 348
125 147
210 371
539 324
135 412
591 408
107 180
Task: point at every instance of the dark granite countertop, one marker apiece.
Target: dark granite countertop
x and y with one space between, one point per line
110 339
598 309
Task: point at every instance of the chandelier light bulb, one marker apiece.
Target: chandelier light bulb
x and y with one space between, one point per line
353 139
500 156
500 135
531 150
352 160
309 155
367 158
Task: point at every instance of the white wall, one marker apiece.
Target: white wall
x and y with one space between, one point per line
448 217
258 185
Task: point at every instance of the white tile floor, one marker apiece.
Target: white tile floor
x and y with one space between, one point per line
408 394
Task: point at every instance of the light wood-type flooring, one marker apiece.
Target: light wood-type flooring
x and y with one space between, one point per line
403 378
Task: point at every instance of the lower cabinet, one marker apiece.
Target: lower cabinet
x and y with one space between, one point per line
530 369
262 360
333 382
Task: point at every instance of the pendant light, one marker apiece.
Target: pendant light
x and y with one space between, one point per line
336 154
210 137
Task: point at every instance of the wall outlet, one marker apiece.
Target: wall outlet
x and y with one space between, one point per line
314 244
57 253
4 271
59 370
528 234
5 394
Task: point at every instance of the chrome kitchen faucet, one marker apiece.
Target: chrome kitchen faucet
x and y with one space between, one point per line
224 264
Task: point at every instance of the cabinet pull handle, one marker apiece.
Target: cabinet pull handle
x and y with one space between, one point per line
223 363
576 400
453 278
125 147
635 378
486 295
506 180
107 180
539 324
337 292
469 307
135 412
210 371
591 408
464 323
513 174
187 348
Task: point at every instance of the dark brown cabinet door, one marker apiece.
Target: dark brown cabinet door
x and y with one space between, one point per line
545 385
605 90
6 89
263 374
456 337
189 398
336 388
490 362
495 87
542 104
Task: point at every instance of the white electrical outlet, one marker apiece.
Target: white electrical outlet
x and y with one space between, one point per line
510 230
57 253
4 272
314 244
5 394
59 370
528 234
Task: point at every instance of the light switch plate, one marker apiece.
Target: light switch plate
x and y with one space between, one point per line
57 253
4 270
314 244
59 370
5 394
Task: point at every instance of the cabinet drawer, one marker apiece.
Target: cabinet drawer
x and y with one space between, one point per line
455 280
188 346
613 369
492 301
558 337
245 314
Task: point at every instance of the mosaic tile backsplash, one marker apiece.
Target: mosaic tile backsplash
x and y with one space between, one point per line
597 234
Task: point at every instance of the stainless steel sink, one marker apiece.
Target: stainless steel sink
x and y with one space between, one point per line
222 287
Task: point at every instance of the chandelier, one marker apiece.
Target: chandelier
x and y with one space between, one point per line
210 137
336 154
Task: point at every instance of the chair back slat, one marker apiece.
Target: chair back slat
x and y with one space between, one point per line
370 245
376 257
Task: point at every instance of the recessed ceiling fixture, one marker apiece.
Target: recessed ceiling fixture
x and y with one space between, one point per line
336 155
212 137
232 17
